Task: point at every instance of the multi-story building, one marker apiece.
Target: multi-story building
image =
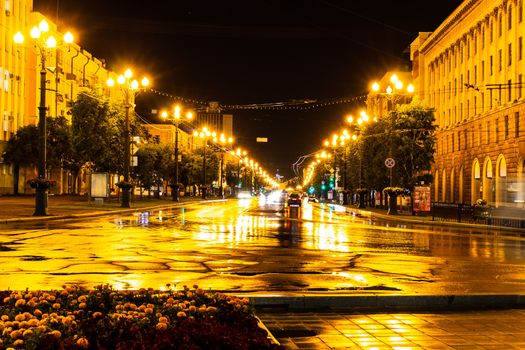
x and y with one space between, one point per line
70 70
470 69
213 118
13 100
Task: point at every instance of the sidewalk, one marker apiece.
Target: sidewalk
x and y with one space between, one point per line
489 329
420 219
21 207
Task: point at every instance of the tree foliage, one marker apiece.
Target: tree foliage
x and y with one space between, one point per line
96 135
22 148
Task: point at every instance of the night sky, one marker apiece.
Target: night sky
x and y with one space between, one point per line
240 52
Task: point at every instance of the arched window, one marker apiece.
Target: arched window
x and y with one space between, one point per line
476 188
501 181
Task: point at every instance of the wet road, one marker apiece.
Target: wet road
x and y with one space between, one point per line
244 247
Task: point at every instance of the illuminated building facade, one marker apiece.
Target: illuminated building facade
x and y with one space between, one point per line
70 70
470 69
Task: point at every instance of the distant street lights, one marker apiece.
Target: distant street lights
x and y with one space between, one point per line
176 120
44 44
129 87
204 134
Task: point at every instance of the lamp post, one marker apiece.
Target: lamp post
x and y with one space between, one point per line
239 153
129 87
223 141
44 44
204 134
176 120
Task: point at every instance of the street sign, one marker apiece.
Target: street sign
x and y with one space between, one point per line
332 170
390 162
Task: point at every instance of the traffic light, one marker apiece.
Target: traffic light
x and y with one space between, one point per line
331 184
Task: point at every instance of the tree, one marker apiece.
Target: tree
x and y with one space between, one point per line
22 151
413 141
59 147
95 133
154 165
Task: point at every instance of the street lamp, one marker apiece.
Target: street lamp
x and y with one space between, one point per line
130 88
239 153
176 120
223 141
204 134
44 44
361 124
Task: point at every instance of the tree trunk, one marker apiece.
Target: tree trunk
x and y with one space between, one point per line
16 178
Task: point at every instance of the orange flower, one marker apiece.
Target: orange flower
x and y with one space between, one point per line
161 326
56 334
20 302
56 306
82 342
15 334
181 314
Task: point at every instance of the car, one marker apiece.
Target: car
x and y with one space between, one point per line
313 198
244 195
294 198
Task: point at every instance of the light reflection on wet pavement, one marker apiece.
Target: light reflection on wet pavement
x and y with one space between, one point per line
238 246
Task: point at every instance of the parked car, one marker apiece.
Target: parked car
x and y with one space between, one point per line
294 198
244 195
313 198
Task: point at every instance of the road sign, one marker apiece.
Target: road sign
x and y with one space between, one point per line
390 162
332 170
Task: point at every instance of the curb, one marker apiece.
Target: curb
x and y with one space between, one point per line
375 302
101 213
412 220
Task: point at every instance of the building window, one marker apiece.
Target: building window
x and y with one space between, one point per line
491 65
475 42
520 11
465 138
510 54
500 58
509 18
459 141
506 131
488 132
516 124
491 31
455 86
482 37
479 135
520 81
496 131
510 90
500 25
475 75
453 139
468 48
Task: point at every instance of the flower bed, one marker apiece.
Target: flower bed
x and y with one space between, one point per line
104 318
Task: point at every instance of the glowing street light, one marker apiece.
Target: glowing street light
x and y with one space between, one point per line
176 119
130 88
45 43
